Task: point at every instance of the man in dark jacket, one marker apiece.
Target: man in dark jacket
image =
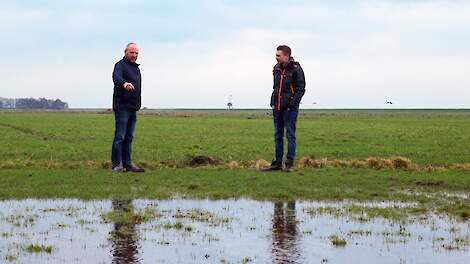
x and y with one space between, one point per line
126 102
288 89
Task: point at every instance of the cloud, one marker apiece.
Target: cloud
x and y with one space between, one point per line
359 54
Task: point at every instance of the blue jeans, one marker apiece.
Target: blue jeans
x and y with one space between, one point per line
123 135
285 119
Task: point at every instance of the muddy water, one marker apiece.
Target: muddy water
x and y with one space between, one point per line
223 231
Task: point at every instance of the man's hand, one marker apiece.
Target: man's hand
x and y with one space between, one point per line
128 86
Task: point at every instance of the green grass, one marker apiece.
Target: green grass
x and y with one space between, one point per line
128 215
63 137
331 183
45 155
37 248
337 241
177 226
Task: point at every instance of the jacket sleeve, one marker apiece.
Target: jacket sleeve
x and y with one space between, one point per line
118 75
299 86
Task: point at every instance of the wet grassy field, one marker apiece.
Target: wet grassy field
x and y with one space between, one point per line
364 155
381 186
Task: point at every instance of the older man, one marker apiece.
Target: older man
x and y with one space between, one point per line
126 103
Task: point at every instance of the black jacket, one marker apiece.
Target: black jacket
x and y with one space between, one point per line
126 71
288 95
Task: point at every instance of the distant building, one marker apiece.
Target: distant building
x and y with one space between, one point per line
32 103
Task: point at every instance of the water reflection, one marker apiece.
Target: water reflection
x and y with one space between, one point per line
223 231
124 237
285 234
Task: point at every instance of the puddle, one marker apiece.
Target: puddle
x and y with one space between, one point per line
224 231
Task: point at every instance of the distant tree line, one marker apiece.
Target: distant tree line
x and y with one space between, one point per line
32 103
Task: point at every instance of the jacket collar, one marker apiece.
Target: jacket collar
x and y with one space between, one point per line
130 62
288 65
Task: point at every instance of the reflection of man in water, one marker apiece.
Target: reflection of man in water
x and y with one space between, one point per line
124 235
285 234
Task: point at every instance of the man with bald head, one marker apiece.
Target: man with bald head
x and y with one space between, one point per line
126 103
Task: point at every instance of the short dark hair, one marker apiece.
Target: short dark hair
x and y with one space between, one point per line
285 49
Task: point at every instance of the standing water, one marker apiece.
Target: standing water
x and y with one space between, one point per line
225 231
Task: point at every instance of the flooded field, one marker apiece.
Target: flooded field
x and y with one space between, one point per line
227 231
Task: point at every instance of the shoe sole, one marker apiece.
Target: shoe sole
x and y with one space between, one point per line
134 171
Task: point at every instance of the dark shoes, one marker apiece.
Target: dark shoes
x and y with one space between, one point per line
118 169
275 166
289 166
134 169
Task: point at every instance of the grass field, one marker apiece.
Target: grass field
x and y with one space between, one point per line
66 154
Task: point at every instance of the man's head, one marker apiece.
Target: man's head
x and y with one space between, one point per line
283 53
131 52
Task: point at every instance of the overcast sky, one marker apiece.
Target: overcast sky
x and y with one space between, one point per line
195 54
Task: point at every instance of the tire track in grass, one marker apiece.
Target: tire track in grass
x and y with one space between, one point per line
31 132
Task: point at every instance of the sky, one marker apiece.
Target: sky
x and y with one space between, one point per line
195 54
